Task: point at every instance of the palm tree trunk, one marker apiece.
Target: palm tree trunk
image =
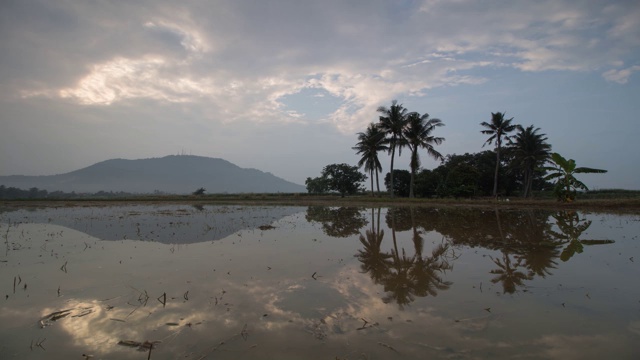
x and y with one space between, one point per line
372 194
530 184
495 176
413 172
377 182
393 154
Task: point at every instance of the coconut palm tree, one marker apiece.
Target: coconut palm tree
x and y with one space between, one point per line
369 144
530 150
418 135
563 171
499 128
392 122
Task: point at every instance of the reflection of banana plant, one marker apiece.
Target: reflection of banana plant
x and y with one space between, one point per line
508 273
571 227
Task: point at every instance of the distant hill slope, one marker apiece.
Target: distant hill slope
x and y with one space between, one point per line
177 174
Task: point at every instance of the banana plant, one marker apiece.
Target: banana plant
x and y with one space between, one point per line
563 171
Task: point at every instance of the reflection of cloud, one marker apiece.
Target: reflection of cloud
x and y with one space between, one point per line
286 314
579 347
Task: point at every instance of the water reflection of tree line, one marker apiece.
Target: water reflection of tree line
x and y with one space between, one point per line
529 242
337 222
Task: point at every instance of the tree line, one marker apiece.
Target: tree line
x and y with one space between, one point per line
13 193
521 161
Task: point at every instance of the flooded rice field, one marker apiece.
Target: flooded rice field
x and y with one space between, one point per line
256 282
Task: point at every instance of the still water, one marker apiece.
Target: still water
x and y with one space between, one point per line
238 282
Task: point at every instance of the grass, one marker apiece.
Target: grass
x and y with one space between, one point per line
612 200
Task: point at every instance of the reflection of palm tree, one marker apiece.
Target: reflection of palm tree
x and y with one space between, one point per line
535 251
508 273
398 283
403 277
373 260
539 259
426 272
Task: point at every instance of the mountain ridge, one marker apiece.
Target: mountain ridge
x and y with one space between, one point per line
177 174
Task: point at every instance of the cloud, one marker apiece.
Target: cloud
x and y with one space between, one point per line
620 76
120 79
238 60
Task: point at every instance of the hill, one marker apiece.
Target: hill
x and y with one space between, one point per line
175 174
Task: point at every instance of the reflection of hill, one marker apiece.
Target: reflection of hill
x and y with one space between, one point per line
170 224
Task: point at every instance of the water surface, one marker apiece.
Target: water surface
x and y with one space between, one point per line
229 282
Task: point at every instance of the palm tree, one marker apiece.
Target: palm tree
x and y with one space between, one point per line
564 171
418 135
530 150
499 128
369 144
392 122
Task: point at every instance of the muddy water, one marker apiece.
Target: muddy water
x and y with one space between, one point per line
231 282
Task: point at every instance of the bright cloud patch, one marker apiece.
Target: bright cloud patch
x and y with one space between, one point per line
121 79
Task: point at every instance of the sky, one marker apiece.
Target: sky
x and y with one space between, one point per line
284 86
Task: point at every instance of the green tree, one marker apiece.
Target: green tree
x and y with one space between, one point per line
418 134
369 144
392 122
463 176
343 178
401 185
498 128
317 185
530 151
564 170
